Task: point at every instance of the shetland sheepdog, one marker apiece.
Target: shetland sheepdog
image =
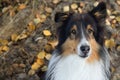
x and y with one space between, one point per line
80 53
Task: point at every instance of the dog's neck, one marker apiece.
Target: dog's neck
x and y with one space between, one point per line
72 67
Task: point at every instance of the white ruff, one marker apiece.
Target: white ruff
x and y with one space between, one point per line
75 68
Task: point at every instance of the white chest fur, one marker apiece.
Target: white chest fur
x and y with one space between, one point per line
74 68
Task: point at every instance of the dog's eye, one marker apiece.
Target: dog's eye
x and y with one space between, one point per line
90 31
73 31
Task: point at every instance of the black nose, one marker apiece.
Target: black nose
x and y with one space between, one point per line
85 49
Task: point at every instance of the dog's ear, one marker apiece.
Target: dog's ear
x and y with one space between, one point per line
60 17
100 12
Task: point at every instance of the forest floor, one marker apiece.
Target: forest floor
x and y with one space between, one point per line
28 35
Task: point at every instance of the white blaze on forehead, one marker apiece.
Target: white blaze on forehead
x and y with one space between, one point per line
83 41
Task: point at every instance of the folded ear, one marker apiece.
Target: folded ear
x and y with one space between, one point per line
60 17
100 11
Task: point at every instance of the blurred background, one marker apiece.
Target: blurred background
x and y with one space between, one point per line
28 35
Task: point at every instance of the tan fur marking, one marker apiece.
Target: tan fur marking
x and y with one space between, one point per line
69 47
89 27
74 27
94 56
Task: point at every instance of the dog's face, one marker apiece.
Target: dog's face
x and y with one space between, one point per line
81 34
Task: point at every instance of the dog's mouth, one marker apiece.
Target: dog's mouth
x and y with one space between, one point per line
83 55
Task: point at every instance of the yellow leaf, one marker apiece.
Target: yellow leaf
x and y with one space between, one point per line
110 43
5 48
21 6
31 27
4 41
40 61
41 55
74 6
14 37
22 36
35 66
47 33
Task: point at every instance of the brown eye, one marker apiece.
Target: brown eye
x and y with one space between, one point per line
73 32
90 31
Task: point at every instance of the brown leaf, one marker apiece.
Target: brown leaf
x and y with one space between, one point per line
21 6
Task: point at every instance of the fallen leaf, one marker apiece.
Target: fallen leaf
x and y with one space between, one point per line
40 61
31 72
44 68
22 65
74 6
96 3
48 9
5 48
42 18
37 21
21 6
66 8
35 66
110 43
31 27
47 33
14 37
41 55
22 36
56 1
118 18
80 10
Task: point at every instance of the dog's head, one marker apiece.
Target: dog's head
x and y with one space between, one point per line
82 34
